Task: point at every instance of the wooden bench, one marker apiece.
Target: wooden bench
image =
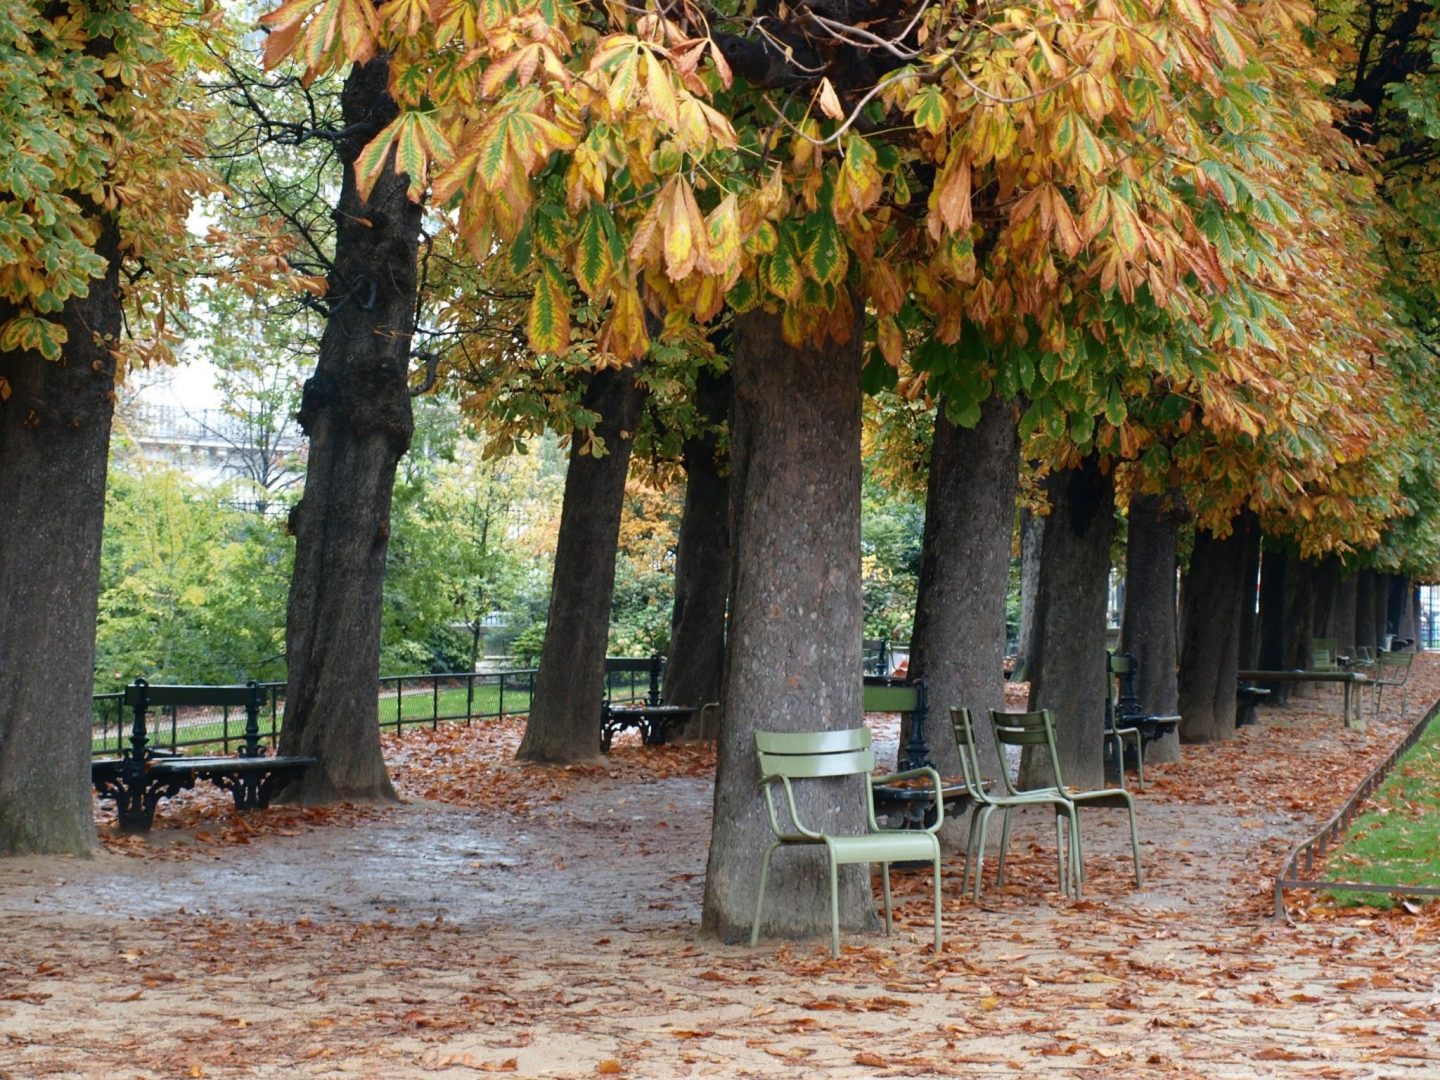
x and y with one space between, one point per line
143 775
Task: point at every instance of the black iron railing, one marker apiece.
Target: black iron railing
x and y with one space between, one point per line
405 701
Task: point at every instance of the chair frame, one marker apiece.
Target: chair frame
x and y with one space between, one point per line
1400 661
1037 728
787 756
1116 666
983 804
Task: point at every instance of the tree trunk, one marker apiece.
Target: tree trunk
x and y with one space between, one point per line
1325 581
958 644
793 655
1345 604
1210 630
1273 585
1032 539
1250 606
356 411
1148 629
1410 620
1299 620
1397 589
1068 672
1380 600
1365 590
564 722
54 444
696 663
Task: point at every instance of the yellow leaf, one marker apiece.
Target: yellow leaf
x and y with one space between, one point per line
660 93
684 231
829 101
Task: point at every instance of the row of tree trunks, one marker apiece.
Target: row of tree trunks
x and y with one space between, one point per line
702 564
54 447
958 644
1068 669
1148 626
1211 596
564 721
356 411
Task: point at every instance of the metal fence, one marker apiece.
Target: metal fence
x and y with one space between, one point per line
405 701
1309 856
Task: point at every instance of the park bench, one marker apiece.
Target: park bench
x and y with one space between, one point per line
1126 719
652 719
1350 680
143 775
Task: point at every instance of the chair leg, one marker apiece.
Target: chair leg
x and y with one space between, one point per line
1004 847
936 871
1077 853
970 848
834 906
985 813
885 872
760 896
1117 743
1061 839
1135 847
1140 761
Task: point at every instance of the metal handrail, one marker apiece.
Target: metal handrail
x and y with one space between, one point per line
1330 833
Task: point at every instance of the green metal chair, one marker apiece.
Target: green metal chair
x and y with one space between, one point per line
788 756
1392 669
1037 729
1117 729
983 804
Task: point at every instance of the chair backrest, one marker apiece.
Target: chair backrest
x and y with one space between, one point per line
814 753
1365 653
1395 665
1322 658
1026 729
969 757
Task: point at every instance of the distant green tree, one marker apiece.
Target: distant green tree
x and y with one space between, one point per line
191 590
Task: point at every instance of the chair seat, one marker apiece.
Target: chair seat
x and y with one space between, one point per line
896 846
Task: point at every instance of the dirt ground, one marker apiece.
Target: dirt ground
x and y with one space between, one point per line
471 930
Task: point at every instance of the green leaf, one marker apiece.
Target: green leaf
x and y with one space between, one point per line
593 265
30 333
549 324
825 257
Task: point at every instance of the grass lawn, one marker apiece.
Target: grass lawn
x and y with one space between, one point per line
1397 840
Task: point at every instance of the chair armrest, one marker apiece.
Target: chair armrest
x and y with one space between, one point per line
764 784
912 774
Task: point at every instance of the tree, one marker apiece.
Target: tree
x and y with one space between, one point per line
101 134
563 722
1149 625
356 411
958 646
1210 604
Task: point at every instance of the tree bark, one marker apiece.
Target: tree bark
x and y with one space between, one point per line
1148 629
793 656
1410 619
1299 620
958 644
54 446
1325 581
1068 671
1032 539
1250 606
356 411
1210 630
1345 603
1397 589
1274 566
564 721
1365 591
696 663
